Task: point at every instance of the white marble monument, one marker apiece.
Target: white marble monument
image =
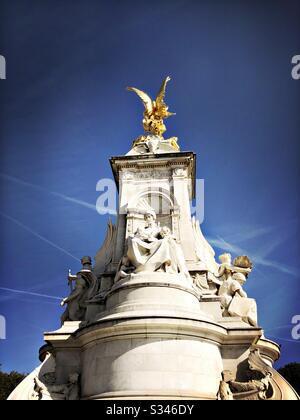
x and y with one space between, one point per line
156 316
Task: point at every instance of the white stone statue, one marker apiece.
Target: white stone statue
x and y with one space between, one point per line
179 264
76 301
258 385
225 393
153 249
255 389
47 390
261 384
234 299
124 270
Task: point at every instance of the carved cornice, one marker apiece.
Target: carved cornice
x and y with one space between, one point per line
167 161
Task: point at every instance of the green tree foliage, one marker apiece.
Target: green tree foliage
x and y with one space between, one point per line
8 382
291 373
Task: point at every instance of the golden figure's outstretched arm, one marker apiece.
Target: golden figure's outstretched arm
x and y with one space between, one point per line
148 103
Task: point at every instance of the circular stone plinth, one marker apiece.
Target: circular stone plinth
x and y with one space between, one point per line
153 294
151 359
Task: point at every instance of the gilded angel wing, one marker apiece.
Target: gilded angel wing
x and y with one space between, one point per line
162 92
105 254
144 97
161 106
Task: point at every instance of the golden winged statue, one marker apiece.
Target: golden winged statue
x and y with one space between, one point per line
155 111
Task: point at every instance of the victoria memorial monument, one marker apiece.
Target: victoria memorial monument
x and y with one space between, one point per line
157 315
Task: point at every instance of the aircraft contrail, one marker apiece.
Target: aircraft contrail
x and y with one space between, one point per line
260 259
56 194
37 235
24 292
284 339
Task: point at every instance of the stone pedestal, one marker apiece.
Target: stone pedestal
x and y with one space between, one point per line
154 294
151 356
166 182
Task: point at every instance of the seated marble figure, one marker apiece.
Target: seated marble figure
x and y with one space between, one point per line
234 299
152 249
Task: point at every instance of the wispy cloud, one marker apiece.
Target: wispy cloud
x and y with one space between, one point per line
37 235
25 292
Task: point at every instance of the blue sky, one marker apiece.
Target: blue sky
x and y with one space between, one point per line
64 111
